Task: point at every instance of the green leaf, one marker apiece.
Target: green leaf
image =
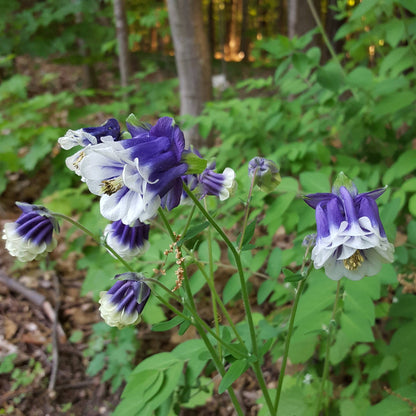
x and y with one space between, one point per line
330 76
412 205
313 182
409 5
165 326
193 232
248 235
265 290
363 8
392 103
148 383
274 264
355 328
394 405
395 30
97 364
301 63
356 300
361 77
236 369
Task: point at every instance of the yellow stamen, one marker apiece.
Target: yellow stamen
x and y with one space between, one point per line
355 261
78 160
111 186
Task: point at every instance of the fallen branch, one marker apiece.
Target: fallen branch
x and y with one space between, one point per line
36 298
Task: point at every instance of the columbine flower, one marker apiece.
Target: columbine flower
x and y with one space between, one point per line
210 182
128 242
350 240
124 302
86 137
134 177
265 173
31 236
217 184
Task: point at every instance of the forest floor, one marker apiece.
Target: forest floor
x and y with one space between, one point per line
29 330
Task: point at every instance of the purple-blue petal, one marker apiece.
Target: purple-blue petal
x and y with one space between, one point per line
110 128
322 226
314 199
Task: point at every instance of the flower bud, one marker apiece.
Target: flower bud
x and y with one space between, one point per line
31 236
265 173
123 304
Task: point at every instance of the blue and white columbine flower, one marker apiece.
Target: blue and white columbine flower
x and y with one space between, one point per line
127 241
124 302
209 182
350 240
135 176
220 185
30 237
87 137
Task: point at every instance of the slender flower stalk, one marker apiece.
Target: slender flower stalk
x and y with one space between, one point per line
212 285
327 350
247 210
94 237
299 290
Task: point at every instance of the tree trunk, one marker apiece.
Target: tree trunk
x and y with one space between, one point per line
192 58
300 18
244 42
122 41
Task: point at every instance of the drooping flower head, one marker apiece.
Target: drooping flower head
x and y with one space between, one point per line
124 302
209 182
220 185
265 173
127 241
135 176
350 239
31 236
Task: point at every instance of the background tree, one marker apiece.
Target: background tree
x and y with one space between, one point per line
192 59
122 32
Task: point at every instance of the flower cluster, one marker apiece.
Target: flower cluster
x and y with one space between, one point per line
350 239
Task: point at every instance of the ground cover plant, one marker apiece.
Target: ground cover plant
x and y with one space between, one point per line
274 265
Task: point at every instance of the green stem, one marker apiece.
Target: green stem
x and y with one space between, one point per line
327 350
221 304
94 237
244 291
247 210
299 290
188 223
212 284
220 368
191 305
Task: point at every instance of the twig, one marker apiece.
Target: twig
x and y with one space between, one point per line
34 297
55 351
79 385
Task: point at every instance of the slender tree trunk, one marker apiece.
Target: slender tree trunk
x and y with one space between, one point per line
332 25
300 18
122 41
244 42
211 27
192 58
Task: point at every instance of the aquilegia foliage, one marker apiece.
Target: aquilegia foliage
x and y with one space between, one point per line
350 239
